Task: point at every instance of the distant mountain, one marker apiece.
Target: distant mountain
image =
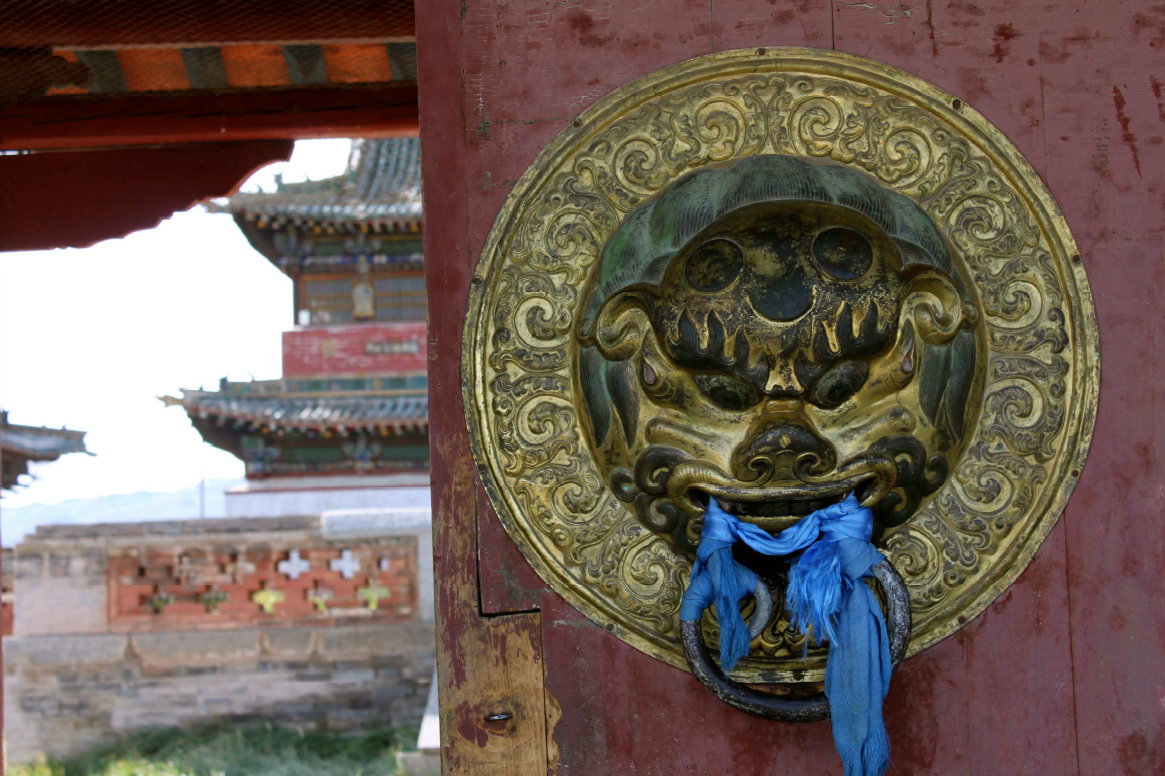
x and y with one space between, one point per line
17 522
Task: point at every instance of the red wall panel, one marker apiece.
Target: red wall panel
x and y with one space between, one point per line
364 348
1105 136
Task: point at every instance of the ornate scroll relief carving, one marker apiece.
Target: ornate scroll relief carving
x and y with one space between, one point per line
1029 413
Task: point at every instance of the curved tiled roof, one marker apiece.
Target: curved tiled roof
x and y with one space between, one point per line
22 444
38 443
381 188
401 412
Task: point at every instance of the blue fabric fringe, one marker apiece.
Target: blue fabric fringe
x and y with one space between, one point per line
826 598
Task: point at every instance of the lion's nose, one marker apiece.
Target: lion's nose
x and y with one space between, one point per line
785 407
783 444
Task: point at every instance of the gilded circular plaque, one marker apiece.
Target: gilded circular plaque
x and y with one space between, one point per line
773 277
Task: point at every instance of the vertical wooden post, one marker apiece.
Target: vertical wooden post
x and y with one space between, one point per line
489 668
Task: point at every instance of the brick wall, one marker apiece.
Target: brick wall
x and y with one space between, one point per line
114 630
200 574
218 586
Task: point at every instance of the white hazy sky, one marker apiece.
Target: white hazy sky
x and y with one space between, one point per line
89 338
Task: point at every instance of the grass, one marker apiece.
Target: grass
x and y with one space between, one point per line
242 750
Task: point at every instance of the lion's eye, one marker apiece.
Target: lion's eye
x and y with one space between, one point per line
838 384
843 253
714 266
728 392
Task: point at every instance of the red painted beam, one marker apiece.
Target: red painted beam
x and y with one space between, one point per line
74 199
83 121
70 24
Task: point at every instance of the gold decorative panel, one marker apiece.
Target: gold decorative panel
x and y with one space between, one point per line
931 331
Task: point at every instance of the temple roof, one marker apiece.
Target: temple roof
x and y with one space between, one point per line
380 190
401 413
38 443
278 432
22 444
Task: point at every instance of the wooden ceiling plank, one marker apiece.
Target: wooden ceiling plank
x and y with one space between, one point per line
84 122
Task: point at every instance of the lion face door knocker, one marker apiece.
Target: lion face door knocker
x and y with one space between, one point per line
772 279
776 354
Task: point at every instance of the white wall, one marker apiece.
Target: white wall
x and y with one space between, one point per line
308 496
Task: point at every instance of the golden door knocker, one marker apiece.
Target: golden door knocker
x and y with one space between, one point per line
774 278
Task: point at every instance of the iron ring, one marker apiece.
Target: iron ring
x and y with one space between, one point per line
813 708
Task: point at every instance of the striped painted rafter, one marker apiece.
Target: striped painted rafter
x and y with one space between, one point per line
245 66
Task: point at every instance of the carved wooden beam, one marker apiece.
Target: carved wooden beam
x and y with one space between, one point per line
78 122
67 24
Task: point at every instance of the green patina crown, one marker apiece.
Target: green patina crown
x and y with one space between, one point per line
639 252
641 249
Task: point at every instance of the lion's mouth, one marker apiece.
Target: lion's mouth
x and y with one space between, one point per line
778 512
776 505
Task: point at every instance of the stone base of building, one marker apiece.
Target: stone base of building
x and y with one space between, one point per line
65 694
421 763
426 761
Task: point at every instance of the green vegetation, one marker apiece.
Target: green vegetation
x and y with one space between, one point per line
243 750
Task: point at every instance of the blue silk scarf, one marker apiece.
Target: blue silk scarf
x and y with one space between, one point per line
825 597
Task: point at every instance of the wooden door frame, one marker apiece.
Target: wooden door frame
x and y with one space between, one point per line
1064 669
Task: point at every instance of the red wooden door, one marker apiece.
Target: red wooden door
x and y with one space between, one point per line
1065 673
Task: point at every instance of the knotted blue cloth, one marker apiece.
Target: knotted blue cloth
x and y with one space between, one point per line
825 597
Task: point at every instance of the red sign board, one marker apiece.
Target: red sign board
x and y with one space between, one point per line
356 349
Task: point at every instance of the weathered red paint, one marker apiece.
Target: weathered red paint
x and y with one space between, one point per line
508 584
1065 673
72 200
482 668
447 280
1113 523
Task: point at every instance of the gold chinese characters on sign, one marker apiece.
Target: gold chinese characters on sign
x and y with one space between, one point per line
773 278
